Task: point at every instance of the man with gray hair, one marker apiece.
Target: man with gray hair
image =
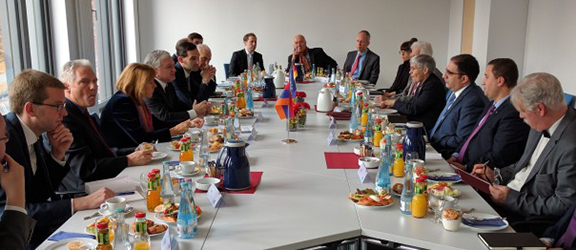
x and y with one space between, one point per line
541 183
90 158
362 63
429 94
164 103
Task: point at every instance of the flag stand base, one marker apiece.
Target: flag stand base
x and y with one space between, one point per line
288 141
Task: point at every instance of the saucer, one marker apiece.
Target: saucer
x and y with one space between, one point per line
181 173
106 212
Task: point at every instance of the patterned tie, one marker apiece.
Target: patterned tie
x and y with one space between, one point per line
97 131
250 61
355 64
567 238
451 100
484 119
415 89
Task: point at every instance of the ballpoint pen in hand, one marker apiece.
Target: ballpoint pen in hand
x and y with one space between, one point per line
485 167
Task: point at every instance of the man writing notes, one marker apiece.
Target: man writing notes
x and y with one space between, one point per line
90 158
38 104
308 57
500 134
541 183
245 58
465 102
363 64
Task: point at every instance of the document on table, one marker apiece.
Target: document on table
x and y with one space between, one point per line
119 185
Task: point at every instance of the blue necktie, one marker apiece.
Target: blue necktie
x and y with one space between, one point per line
443 114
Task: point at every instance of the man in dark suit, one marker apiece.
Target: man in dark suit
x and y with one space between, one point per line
194 38
245 58
499 136
193 83
164 103
541 183
90 158
362 63
465 102
16 226
308 57
37 101
429 98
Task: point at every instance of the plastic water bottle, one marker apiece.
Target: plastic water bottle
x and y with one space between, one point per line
167 191
121 237
249 99
383 176
407 191
187 222
354 116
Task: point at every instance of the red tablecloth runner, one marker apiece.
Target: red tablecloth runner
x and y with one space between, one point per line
255 178
336 160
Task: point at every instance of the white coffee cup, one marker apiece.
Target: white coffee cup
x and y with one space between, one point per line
113 204
188 167
194 134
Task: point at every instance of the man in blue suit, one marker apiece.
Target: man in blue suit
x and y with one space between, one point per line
499 135
464 103
39 141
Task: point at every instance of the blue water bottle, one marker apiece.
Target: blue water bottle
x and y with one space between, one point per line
383 176
187 222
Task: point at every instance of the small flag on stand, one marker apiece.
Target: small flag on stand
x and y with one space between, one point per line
284 105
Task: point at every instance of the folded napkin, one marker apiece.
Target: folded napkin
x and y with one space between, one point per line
67 235
495 222
444 177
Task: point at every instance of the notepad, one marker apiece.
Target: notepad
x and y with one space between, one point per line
513 241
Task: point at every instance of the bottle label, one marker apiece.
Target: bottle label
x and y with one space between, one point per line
142 227
103 238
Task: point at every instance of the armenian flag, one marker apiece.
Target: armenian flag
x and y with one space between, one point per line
284 105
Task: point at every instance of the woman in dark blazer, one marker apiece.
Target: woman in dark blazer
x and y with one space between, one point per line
403 73
127 121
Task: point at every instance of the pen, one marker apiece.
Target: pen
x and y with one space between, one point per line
486 166
125 193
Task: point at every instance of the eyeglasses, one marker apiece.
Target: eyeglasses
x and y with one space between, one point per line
450 73
497 176
58 107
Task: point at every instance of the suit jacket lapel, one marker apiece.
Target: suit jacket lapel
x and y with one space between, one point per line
551 143
460 98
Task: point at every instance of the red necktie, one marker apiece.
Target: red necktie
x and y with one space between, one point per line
355 64
97 131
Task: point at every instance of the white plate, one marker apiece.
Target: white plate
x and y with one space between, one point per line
386 111
373 207
88 243
106 212
431 177
179 172
156 234
351 140
172 148
484 229
161 155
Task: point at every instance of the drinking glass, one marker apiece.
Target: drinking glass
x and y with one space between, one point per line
412 156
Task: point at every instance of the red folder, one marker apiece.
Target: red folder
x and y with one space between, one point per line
472 180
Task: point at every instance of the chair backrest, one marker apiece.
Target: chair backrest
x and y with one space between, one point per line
570 100
226 68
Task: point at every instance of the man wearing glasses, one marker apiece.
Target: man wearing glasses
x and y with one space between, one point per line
499 135
542 182
464 103
38 104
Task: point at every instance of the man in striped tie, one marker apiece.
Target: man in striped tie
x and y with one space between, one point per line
465 102
89 156
499 135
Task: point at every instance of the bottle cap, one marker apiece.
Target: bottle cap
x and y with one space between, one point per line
102 225
140 215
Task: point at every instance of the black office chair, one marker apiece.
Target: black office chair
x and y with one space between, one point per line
226 68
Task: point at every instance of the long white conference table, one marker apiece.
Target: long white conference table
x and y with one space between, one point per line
299 202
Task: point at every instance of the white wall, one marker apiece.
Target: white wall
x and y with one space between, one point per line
550 40
331 24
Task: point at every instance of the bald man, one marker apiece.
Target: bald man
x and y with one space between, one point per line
308 57
362 63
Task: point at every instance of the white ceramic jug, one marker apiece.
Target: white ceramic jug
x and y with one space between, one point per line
325 103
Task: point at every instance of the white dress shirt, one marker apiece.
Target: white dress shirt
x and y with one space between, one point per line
520 177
